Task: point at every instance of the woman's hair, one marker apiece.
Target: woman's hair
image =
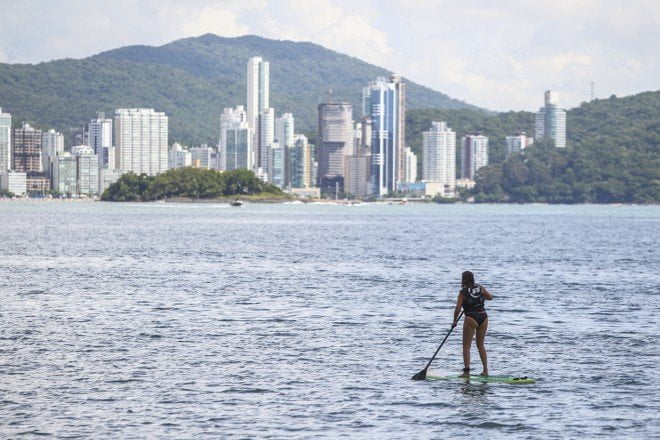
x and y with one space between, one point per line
467 279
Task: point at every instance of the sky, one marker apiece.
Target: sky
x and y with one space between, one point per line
499 54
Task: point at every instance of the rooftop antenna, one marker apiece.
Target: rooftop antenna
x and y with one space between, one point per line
330 92
592 90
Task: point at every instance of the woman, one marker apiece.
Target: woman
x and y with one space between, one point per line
472 297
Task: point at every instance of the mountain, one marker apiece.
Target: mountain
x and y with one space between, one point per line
612 153
192 80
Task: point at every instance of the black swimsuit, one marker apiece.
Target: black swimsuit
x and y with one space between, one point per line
473 304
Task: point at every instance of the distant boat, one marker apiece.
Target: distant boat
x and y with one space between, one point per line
236 203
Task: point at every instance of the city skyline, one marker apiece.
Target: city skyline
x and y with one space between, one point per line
559 45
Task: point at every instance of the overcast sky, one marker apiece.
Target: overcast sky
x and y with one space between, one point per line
499 54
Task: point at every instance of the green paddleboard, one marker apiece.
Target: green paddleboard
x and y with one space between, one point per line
513 380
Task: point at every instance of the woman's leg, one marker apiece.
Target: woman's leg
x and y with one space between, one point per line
481 336
469 327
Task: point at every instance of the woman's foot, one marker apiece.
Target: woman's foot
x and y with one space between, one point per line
484 373
466 372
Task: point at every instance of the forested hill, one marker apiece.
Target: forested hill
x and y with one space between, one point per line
612 154
192 80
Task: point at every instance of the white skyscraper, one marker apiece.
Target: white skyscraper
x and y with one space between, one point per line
257 89
265 139
88 170
410 166
52 144
235 135
141 140
474 154
5 141
100 139
551 120
284 136
439 163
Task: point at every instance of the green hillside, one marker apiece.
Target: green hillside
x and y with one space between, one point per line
612 153
192 80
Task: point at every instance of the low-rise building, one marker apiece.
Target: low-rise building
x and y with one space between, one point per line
13 182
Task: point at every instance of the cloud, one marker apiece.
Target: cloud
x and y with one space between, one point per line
500 55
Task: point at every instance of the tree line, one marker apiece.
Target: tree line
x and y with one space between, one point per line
189 182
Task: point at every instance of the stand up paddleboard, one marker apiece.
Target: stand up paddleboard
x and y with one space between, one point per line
513 380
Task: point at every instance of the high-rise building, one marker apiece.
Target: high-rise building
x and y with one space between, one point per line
140 136
265 139
236 140
178 157
100 139
474 154
439 158
410 166
551 120
258 89
284 136
380 102
87 170
26 149
52 144
277 164
6 162
517 143
14 182
335 138
65 173
400 88
301 163
203 155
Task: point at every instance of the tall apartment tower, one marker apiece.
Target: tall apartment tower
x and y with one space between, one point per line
27 149
380 101
258 91
474 154
335 138
400 88
439 163
284 136
235 147
100 139
410 168
265 138
140 136
301 163
6 162
551 120
52 144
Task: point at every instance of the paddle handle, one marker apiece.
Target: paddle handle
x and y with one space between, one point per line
443 342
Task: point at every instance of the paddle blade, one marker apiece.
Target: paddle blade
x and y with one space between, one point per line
420 376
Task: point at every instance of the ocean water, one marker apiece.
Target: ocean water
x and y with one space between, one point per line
307 321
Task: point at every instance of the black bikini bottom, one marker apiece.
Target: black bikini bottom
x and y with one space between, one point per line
479 317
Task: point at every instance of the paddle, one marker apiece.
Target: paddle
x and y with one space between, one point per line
422 374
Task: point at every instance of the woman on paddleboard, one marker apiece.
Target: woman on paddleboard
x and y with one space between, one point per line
472 298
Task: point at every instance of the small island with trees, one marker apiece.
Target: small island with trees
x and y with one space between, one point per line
191 184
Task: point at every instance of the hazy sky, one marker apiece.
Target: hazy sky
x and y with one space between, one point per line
499 54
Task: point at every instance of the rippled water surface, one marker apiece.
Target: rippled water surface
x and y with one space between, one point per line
201 320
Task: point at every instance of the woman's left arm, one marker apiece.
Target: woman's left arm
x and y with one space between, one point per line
487 294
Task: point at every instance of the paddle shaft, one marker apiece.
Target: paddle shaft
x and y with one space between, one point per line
442 343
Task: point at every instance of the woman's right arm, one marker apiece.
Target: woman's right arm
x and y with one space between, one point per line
457 310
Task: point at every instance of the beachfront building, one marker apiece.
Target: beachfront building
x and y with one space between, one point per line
335 140
52 144
474 154
551 120
5 142
100 139
13 182
439 158
140 136
380 102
